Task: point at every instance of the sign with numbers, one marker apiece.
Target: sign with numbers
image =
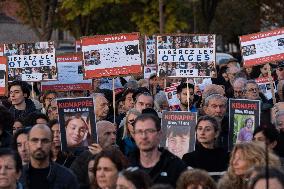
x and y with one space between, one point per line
111 55
31 61
185 55
262 47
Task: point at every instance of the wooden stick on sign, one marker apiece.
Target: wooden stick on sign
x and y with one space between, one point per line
271 84
113 100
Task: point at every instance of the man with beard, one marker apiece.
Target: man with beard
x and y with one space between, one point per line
186 97
215 105
162 166
41 172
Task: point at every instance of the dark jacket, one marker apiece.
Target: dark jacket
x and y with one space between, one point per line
166 171
212 160
58 177
5 139
30 107
80 168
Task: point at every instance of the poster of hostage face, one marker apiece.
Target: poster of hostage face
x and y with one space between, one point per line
178 132
244 118
31 61
186 55
3 75
150 50
77 122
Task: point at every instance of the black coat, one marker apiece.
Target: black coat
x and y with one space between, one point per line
166 171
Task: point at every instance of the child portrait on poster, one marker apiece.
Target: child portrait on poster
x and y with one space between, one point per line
178 140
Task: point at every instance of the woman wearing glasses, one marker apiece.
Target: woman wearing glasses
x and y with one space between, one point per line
127 144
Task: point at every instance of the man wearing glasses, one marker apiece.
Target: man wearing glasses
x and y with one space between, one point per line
41 172
162 166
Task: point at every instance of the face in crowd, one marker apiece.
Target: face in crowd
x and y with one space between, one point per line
206 133
146 135
17 95
129 102
76 130
48 98
39 143
22 148
252 91
102 107
106 173
106 133
216 108
55 129
52 110
144 101
9 173
183 97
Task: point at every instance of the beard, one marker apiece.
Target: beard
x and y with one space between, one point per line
40 155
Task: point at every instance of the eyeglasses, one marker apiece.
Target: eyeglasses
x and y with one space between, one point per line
146 132
43 141
253 90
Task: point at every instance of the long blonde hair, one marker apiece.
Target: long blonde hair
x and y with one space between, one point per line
254 154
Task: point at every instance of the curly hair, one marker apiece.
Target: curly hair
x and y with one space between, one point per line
195 177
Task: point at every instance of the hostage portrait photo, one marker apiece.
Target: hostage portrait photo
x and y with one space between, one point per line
244 126
77 131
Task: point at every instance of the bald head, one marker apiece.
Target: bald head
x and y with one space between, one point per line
106 133
42 127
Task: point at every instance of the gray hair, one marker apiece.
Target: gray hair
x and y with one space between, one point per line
215 97
249 82
240 80
159 99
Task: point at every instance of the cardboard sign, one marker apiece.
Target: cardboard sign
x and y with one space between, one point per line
264 86
77 122
150 50
111 55
171 94
185 55
31 61
70 74
179 132
262 47
3 75
244 117
149 71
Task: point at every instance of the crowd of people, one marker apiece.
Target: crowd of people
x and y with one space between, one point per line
127 154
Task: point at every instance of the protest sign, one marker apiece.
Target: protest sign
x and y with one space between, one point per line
178 132
70 74
171 94
111 55
150 50
262 47
31 61
3 75
77 122
149 71
265 87
244 117
185 55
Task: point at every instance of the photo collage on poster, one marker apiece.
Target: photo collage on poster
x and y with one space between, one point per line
186 55
31 61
